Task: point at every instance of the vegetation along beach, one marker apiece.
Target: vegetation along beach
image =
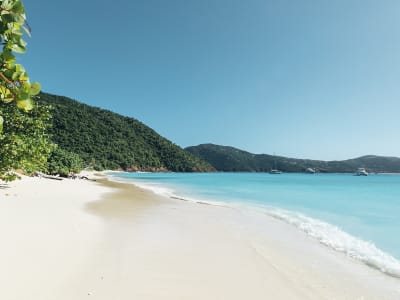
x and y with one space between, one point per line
199 150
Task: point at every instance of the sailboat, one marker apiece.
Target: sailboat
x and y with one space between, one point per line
275 170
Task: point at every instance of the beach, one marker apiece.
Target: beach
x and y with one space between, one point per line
78 239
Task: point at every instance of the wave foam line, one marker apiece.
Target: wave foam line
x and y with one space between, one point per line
335 238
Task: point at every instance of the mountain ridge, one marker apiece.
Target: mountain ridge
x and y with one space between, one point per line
231 159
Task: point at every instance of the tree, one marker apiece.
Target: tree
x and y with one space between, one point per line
63 162
23 140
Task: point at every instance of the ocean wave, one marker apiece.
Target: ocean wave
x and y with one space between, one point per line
339 240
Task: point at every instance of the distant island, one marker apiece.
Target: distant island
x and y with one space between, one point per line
229 159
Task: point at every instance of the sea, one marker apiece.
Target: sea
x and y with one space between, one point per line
356 215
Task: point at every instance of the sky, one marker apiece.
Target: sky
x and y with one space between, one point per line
306 79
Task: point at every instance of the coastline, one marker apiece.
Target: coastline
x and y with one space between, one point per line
74 239
338 227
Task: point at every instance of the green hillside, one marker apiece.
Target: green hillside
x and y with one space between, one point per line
107 140
229 159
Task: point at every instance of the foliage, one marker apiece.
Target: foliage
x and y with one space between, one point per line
106 140
24 142
14 81
63 162
229 159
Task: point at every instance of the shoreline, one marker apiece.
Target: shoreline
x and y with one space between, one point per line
115 240
346 243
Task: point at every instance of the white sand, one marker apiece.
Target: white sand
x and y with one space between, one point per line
81 240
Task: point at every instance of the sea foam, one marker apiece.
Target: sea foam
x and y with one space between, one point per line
339 240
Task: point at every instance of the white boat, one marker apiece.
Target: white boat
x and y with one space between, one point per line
310 171
361 172
275 171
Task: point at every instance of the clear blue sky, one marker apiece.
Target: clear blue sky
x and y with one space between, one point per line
309 79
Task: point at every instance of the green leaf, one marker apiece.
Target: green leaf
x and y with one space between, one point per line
35 89
18 48
6 4
8 56
26 105
1 123
27 30
18 8
8 18
15 75
6 95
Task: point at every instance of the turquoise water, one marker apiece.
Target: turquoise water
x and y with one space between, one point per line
357 215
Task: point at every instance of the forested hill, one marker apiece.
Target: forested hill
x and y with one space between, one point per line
107 140
229 159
